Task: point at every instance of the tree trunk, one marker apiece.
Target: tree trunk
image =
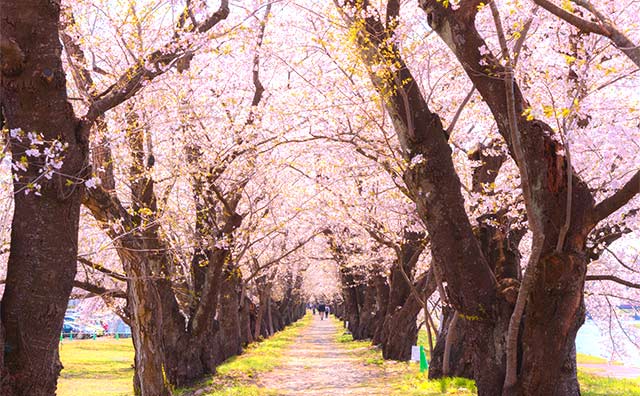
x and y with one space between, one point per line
279 321
229 313
262 309
554 314
352 295
246 313
554 309
382 303
366 323
146 314
460 358
401 331
357 299
269 316
44 233
41 269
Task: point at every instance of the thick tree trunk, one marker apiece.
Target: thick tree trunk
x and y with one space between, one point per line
262 310
44 234
460 361
356 293
229 313
270 328
146 309
41 269
277 319
367 323
382 303
555 312
188 354
246 320
401 331
353 296
397 320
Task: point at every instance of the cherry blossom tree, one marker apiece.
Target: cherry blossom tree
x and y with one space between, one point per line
470 166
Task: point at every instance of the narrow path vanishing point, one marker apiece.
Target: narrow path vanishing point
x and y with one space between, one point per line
316 364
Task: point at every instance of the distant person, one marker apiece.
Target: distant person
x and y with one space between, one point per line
327 310
321 309
313 308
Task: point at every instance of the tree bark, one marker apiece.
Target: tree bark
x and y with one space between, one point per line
145 305
400 327
460 362
366 320
42 261
229 313
554 315
247 314
382 303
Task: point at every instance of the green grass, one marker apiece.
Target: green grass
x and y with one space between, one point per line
423 339
417 384
236 376
101 367
593 385
346 340
589 359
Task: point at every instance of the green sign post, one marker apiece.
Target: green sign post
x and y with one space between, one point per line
424 364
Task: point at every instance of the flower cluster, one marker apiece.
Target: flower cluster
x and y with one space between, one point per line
48 155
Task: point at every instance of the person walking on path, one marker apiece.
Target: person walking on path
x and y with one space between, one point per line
327 310
321 309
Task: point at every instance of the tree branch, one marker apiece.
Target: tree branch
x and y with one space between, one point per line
276 260
99 267
99 290
259 88
614 202
613 278
604 28
582 24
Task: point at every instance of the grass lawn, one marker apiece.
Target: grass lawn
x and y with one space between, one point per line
101 367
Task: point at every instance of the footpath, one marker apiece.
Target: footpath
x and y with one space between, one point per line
316 364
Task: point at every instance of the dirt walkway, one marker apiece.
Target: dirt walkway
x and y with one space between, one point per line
318 365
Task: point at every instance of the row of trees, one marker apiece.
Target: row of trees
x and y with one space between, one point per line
195 291
511 326
221 165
